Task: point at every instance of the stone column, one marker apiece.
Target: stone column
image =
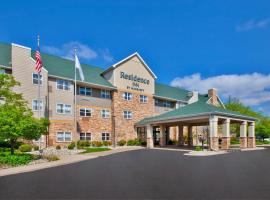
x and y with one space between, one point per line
213 133
162 141
180 135
251 135
150 142
243 135
225 144
190 139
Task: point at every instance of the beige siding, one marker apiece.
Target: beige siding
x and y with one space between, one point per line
23 66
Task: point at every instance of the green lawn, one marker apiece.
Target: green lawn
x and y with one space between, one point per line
95 149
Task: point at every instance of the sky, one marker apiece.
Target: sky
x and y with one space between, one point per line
195 45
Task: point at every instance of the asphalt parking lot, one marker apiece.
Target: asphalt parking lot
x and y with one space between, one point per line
148 174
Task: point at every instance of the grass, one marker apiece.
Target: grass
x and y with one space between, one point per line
94 149
260 142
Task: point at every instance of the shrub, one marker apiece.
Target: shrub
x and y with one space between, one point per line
83 143
51 157
71 146
6 144
25 148
234 140
96 144
143 143
58 147
121 142
35 147
16 159
198 148
107 143
133 142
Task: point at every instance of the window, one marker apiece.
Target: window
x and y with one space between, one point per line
63 137
105 136
63 108
143 99
35 106
35 79
105 94
156 102
127 114
85 136
63 84
86 112
85 91
167 104
127 96
105 113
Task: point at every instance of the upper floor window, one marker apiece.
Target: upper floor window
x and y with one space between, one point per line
167 104
105 113
63 84
127 96
63 137
85 91
37 106
85 136
63 108
143 99
86 112
127 114
105 94
105 136
35 78
156 102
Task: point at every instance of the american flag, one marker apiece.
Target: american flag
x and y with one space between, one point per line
38 61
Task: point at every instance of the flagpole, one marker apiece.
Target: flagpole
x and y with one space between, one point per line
75 99
38 103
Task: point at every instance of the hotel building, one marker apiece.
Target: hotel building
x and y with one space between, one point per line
123 102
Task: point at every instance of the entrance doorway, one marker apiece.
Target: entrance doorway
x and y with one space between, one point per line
156 135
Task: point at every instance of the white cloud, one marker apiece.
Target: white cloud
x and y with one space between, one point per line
252 24
252 89
84 51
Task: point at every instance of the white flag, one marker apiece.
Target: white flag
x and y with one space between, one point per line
78 66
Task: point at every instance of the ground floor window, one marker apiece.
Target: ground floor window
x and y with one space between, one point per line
85 136
63 137
105 137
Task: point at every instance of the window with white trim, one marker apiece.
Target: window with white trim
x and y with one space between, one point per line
127 114
105 113
127 96
35 106
62 84
143 99
167 104
63 108
105 94
85 112
85 136
105 136
85 91
35 78
63 137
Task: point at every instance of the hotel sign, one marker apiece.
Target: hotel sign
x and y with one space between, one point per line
136 81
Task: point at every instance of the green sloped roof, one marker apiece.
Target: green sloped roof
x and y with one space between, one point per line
198 108
5 55
61 67
167 91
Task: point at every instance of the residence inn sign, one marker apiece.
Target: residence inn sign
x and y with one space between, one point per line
136 80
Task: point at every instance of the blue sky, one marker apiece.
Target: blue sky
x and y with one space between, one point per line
191 44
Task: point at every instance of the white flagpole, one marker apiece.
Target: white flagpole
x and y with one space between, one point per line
38 103
75 99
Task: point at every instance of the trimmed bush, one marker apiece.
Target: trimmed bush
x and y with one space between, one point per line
121 142
198 148
58 147
82 144
51 157
107 143
71 146
25 148
16 159
134 142
35 147
97 144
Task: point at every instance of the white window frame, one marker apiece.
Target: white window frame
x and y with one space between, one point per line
106 136
90 90
84 137
105 113
65 84
40 105
127 114
64 136
105 94
167 104
127 96
41 79
64 109
90 109
143 99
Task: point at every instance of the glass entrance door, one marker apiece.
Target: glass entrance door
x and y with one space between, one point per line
156 135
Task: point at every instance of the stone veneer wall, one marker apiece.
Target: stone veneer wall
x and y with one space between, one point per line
124 128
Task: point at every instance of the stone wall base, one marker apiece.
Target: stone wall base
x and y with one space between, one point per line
251 142
225 143
243 142
150 143
214 143
162 141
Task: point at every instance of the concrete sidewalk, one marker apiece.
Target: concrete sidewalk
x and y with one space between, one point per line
65 160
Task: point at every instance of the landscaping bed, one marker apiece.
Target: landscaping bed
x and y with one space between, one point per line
95 149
